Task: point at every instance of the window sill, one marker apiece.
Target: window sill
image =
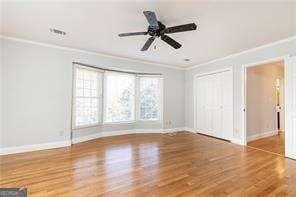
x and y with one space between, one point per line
149 121
118 123
86 126
134 122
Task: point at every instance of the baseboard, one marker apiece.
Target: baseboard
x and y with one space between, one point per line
177 129
238 141
124 132
33 147
50 145
261 135
189 129
234 141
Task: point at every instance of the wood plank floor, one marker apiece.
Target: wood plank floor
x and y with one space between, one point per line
184 164
275 144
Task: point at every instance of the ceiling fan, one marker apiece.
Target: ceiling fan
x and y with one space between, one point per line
157 29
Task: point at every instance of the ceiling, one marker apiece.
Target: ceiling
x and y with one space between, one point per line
223 28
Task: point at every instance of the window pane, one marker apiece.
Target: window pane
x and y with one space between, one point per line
86 111
120 97
149 98
86 105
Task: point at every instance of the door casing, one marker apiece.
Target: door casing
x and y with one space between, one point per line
244 84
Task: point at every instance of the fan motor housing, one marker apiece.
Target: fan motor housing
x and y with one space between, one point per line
156 32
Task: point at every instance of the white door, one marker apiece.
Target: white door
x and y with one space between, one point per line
217 107
227 105
209 106
290 109
202 103
214 104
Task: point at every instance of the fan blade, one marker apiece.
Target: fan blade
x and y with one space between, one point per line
132 34
171 41
148 43
180 28
151 18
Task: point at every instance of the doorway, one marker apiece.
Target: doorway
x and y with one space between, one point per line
265 112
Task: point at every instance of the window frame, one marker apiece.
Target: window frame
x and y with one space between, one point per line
74 97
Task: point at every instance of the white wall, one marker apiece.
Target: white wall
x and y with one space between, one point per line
37 82
261 98
1 90
277 49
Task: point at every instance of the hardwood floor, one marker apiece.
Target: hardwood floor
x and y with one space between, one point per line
274 144
184 164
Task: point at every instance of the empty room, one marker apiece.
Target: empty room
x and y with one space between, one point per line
137 98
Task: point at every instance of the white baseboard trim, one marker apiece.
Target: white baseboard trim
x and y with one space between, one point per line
234 140
238 141
33 147
50 145
189 129
123 132
178 129
261 135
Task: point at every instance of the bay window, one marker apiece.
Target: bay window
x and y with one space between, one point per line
105 97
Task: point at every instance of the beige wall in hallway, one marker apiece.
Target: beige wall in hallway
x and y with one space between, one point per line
261 98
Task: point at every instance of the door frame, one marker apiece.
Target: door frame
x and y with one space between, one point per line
244 88
195 77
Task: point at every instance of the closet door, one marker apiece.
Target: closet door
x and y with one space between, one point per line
216 107
202 92
227 105
208 99
198 104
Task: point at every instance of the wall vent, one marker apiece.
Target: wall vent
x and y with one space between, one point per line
57 31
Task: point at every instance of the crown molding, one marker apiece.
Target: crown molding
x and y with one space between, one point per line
147 62
242 52
89 52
